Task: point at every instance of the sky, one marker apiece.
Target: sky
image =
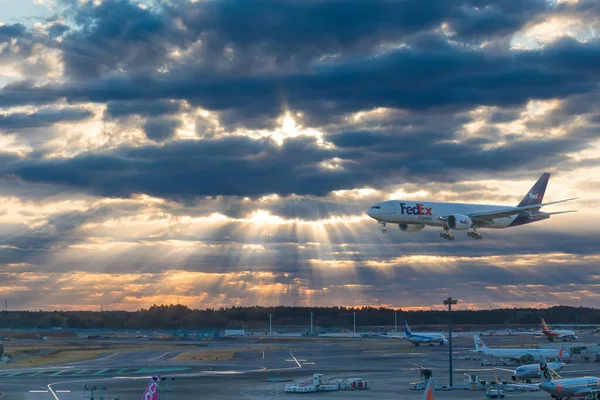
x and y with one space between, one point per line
224 152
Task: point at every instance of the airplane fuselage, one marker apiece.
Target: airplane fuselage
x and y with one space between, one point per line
426 338
428 213
572 387
559 334
532 371
519 354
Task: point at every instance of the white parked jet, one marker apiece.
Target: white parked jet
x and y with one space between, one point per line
525 373
412 216
417 338
516 354
560 389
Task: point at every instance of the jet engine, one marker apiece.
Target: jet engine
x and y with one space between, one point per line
410 228
459 222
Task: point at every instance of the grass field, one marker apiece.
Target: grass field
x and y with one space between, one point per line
48 353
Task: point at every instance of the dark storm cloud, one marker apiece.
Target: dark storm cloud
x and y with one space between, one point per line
160 130
43 117
116 109
8 32
454 78
240 166
116 34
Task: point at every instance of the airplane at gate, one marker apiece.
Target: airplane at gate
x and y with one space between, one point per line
413 216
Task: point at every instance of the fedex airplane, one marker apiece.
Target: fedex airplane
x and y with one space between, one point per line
552 334
417 338
412 216
559 389
520 354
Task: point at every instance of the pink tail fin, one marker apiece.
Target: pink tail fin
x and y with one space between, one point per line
151 392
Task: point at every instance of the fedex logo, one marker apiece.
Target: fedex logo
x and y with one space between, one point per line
417 210
534 196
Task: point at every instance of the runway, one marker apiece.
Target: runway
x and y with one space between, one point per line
388 365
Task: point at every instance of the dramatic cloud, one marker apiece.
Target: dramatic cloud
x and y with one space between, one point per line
225 152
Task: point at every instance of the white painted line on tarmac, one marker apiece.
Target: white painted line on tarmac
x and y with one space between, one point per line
159 357
63 391
38 391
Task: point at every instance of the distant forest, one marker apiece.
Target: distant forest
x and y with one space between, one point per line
174 317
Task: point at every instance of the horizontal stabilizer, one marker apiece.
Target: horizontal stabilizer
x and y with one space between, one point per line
561 212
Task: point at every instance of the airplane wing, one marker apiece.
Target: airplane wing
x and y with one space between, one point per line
489 216
504 369
532 387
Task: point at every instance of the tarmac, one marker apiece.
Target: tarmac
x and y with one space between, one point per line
388 365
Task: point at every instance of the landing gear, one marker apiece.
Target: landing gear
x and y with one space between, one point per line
475 235
447 235
383 228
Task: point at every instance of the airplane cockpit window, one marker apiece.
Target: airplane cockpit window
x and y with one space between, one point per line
377 207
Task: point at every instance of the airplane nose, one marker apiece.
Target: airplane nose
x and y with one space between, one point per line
370 213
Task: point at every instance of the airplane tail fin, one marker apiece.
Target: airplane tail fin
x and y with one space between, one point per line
407 331
544 326
559 356
479 345
536 193
546 375
151 392
429 389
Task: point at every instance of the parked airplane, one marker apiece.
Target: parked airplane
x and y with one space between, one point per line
560 389
417 338
413 216
515 354
552 334
525 373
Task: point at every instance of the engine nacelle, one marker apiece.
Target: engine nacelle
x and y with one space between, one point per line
459 222
410 228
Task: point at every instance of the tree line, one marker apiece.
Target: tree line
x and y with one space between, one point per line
174 317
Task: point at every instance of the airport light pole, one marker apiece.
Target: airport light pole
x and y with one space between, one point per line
354 313
448 302
270 325
311 322
395 321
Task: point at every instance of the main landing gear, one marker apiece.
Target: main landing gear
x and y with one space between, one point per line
475 235
383 228
447 235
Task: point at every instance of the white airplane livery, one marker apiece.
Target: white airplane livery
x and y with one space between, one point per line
520 354
413 216
417 338
525 373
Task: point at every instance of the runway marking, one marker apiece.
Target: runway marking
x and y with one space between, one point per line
52 391
100 371
159 357
38 391
63 391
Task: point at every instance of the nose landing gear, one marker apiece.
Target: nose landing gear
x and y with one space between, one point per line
383 228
